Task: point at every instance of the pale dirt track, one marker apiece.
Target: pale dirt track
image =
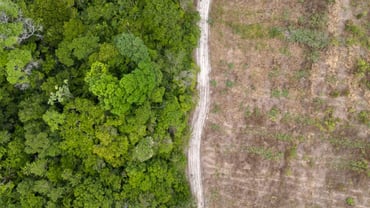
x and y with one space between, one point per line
200 113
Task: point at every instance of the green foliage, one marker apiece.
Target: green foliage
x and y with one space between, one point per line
329 122
132 47
53 119
276 32
144 150
52 15
79 48
363 72
357 34
312 38
350 201
95 98
280 93
273 114
17 61
359 166
61 95
364 117
10 8
133 88
30 109
229 83
10 29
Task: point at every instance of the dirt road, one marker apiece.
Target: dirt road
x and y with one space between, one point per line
194 168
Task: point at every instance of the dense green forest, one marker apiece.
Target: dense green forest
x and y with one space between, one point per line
94 102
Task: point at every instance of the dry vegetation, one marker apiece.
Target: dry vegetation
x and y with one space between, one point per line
289 124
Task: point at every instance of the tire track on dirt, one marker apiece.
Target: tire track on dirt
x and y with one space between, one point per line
200 113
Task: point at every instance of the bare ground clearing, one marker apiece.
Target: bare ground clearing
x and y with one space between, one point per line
283 130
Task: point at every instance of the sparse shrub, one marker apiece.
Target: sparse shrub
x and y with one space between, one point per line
350 201
363 71
210 21
213 83
364 117
361 15
273 114
231 66
363 67
354 29
279 93
276 32
318 21
357 34
312 38
247 112
229 83
292 153
359 166
301 74
330 122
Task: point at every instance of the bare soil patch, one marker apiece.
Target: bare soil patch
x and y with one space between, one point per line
285 126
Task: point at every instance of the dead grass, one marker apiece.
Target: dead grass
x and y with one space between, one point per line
284 130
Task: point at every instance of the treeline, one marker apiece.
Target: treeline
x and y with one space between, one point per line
94 102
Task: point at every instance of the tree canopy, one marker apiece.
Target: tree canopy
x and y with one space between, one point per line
94 102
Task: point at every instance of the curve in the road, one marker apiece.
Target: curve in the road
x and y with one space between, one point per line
200 113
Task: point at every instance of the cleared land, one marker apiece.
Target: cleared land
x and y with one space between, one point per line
200 113
289 121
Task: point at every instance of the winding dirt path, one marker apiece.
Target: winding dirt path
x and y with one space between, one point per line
200 113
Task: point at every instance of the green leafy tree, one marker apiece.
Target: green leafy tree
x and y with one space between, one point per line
15 28
54 119
132 47
79 47
112 147
61 95
15 68
144 150
52 14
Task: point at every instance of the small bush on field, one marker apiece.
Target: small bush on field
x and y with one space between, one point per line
280 93
363 71
317 21
330 122
350 201
359 166
354 29
276 32
312 38
229 83
357 34
364 117
273 114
